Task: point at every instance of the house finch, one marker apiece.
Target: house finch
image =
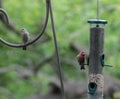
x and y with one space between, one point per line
81 59
25 36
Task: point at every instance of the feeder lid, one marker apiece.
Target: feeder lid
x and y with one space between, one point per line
95 21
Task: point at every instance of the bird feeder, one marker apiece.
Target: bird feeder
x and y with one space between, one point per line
96 79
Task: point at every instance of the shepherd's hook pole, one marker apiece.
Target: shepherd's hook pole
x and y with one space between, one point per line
27 43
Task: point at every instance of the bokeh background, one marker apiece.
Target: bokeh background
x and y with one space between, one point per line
33 73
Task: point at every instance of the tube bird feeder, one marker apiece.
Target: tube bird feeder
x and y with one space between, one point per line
96 79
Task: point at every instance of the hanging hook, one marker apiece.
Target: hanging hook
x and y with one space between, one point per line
5 15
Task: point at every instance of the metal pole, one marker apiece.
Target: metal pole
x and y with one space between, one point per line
96 79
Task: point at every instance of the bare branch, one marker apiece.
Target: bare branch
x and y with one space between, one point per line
47 59
77 47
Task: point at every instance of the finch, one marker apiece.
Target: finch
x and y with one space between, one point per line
81 59
25 37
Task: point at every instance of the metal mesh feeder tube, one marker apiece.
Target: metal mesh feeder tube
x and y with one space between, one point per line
96 79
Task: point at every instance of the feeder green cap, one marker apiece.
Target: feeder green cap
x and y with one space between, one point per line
95 21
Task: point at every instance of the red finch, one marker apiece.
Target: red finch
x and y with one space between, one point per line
81 59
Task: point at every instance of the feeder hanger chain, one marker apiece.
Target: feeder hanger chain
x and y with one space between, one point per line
98 9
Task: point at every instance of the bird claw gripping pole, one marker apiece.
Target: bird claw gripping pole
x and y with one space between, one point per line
27 43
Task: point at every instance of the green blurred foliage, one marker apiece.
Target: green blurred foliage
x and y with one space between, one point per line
71 26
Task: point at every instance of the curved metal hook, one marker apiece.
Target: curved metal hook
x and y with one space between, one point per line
48 9
37 37
5 15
